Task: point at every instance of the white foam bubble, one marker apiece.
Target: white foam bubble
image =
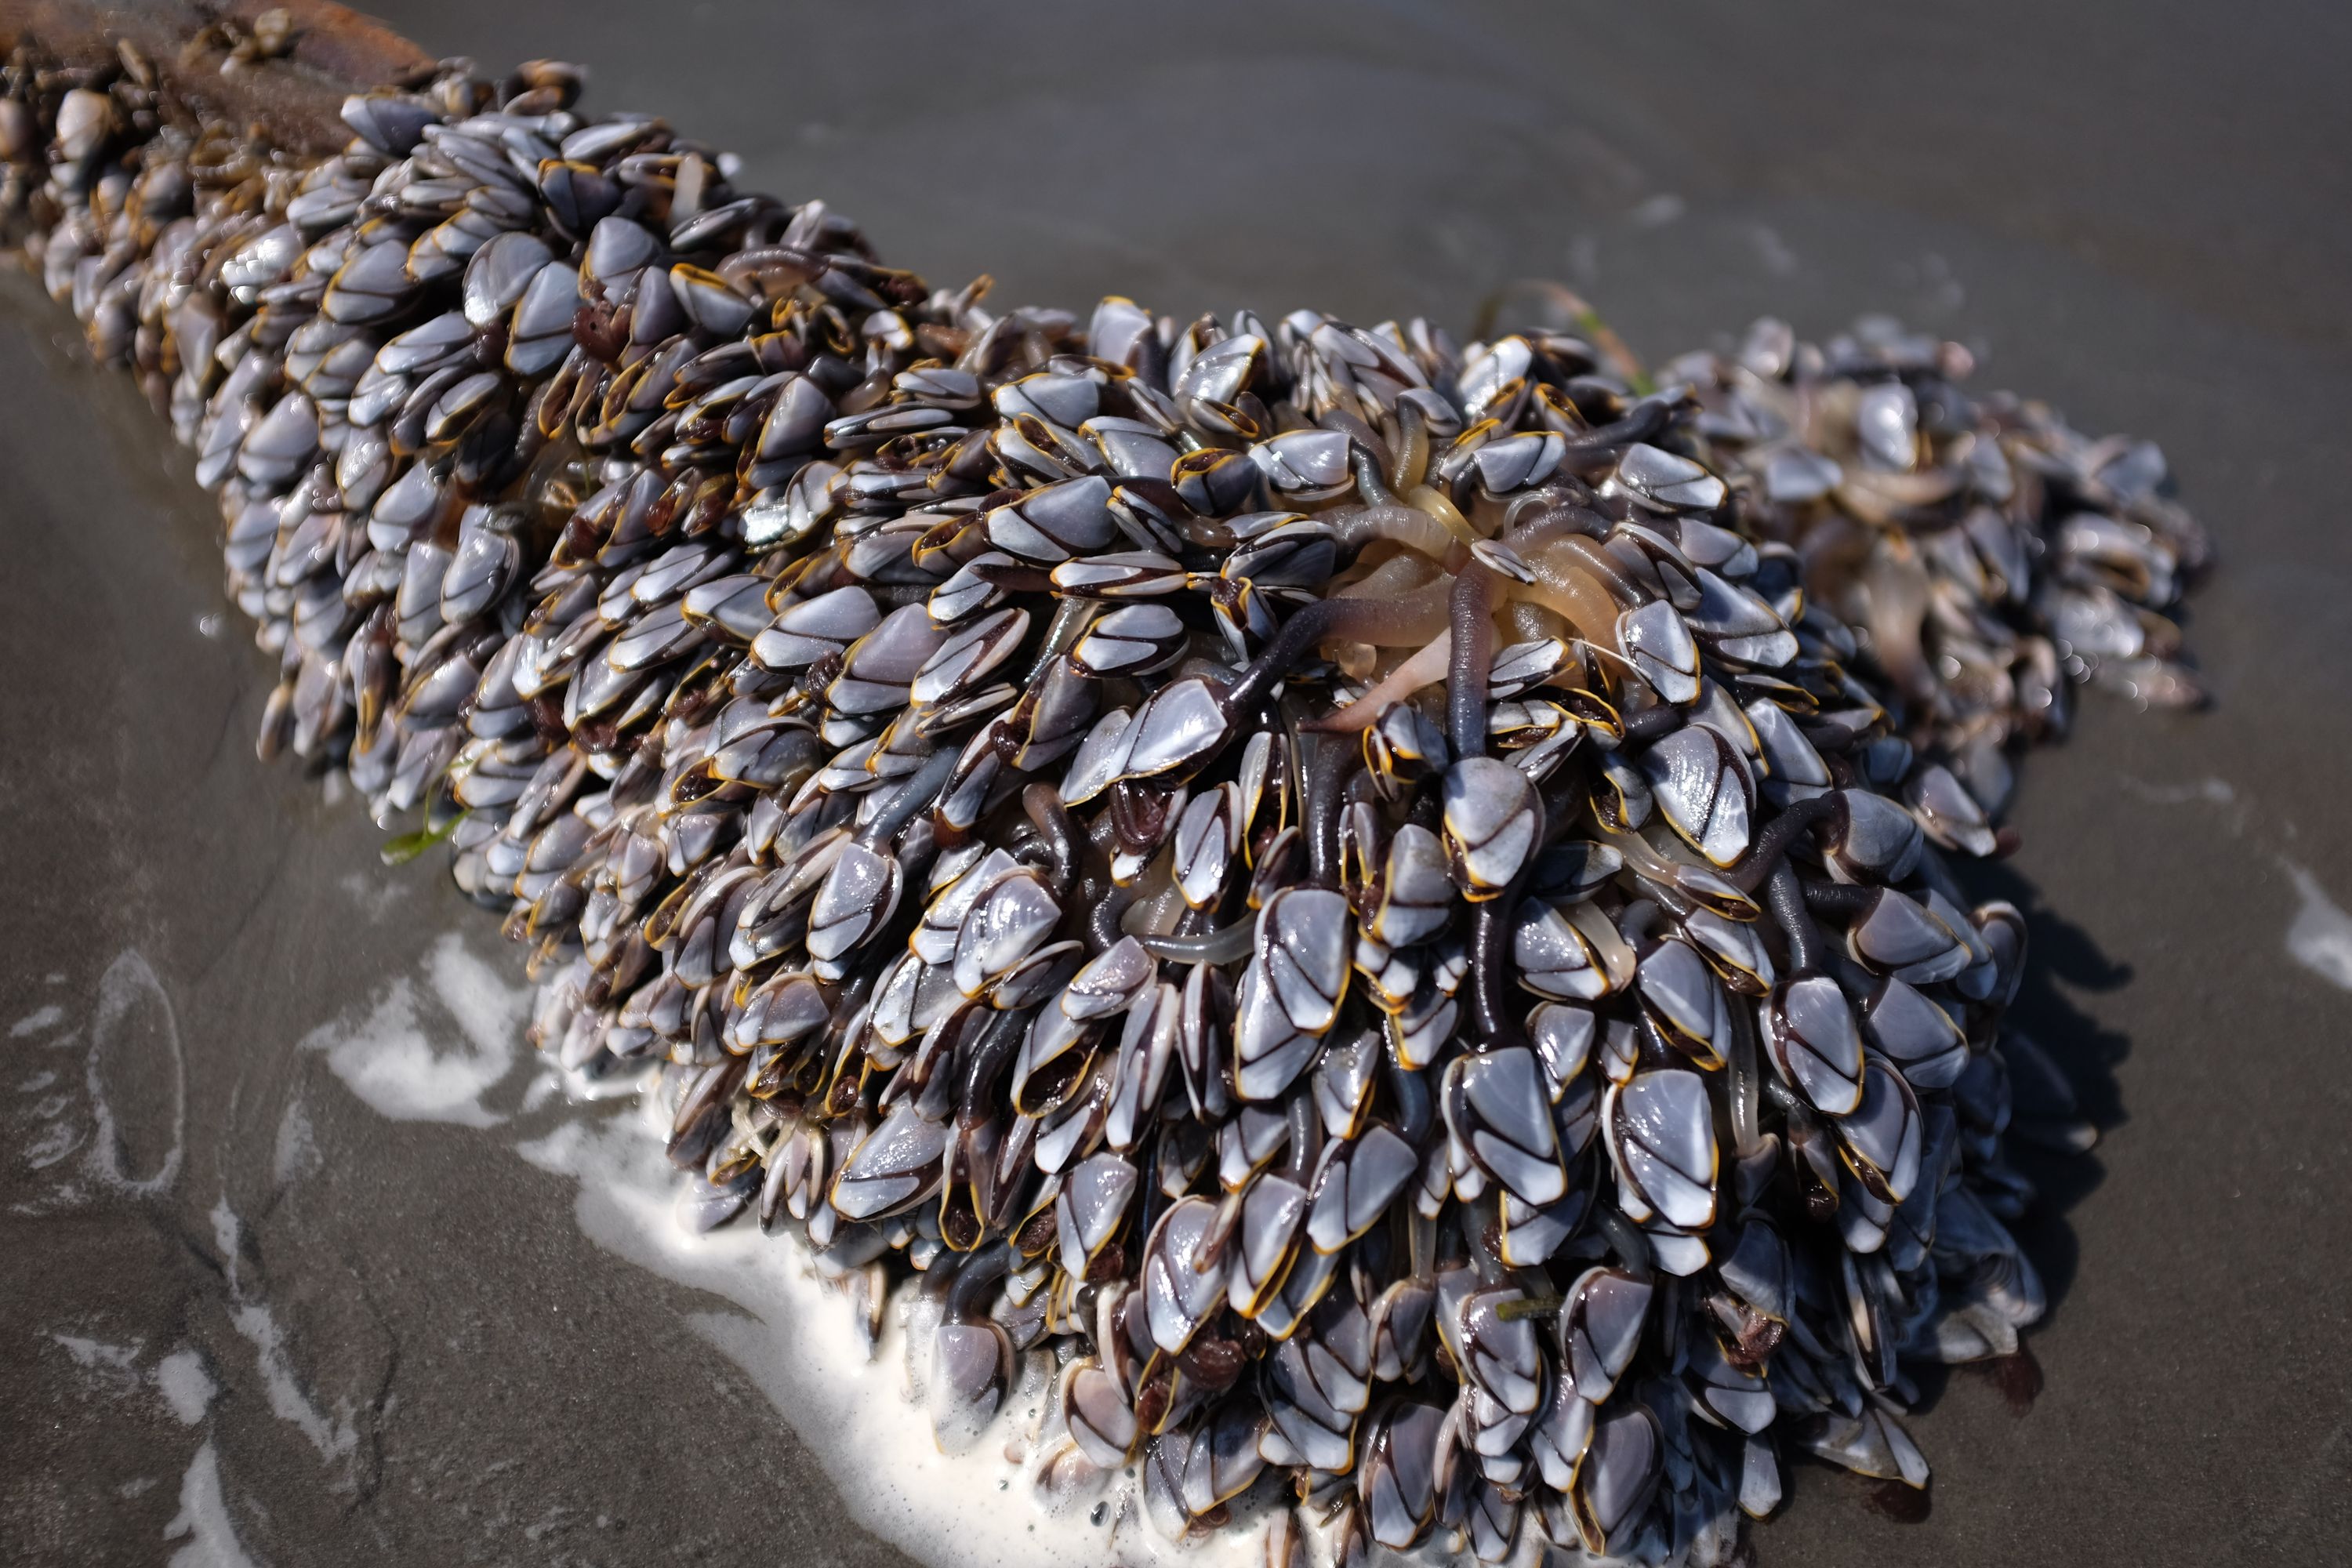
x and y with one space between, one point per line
47 1016
375 895
55 1142
202 1520
2320 936
109 1364
185 1385
1660 210
97 1353
251 1317
296 1154
334 1439
488 1007
2210 790
390 1060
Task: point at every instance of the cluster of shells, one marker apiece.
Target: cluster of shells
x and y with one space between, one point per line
1381 907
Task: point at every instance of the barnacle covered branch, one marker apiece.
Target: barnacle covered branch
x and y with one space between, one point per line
1384 903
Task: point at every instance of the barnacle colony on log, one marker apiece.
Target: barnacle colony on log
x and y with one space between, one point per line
1383 906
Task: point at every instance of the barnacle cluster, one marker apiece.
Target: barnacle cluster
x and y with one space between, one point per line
1383 904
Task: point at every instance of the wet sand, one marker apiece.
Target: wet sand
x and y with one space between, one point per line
243 1303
